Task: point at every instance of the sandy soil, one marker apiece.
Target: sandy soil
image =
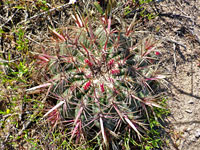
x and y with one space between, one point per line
179 23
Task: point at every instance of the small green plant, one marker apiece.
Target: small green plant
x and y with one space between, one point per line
42 4
142 6
14 77
143 1
22 42
155 127
103 83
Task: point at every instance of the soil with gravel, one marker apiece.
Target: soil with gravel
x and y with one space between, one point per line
179 29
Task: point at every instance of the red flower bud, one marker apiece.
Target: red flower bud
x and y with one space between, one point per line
102 87
157 53
88 62
115 72
111 62
87 85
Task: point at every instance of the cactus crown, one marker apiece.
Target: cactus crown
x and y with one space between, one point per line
103 81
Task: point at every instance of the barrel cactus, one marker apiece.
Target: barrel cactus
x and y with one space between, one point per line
103 82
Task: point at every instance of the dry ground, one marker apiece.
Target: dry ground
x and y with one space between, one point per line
179 23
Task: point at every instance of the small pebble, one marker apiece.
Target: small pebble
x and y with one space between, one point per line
191 102
188 111
158 1
192 139
188 129
180 116
197 134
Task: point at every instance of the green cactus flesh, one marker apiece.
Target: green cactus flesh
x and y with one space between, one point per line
102 78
